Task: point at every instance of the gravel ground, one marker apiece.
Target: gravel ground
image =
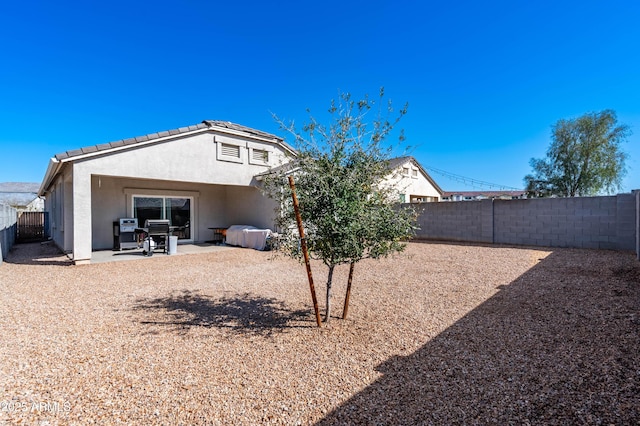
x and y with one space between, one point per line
441 334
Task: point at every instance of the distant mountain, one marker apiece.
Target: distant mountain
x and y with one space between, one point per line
28 187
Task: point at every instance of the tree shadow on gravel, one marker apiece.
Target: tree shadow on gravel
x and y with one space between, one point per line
559 345
242 314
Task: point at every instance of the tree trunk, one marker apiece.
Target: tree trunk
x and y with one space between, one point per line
346 298
329 281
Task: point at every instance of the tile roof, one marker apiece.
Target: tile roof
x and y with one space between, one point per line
398 161
237 127
206 124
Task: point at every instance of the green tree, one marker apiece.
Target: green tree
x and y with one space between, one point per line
584 158
348 214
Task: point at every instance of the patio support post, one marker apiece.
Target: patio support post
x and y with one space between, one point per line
305 252
81 216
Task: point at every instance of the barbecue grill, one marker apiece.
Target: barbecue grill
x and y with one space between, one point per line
158 231
124 233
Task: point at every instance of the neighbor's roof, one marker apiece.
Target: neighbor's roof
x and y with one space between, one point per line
488 194
206 124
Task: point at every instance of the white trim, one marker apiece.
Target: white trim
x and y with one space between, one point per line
167 192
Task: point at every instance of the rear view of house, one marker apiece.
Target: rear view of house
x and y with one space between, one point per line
197 177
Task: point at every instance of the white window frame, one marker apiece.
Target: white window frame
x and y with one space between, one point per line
155 193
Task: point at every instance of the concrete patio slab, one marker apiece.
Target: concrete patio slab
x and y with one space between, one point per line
103 256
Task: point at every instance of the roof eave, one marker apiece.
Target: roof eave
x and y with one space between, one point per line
52 170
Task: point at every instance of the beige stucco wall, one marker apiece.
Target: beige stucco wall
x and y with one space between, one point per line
247 206
59 200
213 205
187 159
411 186
112 199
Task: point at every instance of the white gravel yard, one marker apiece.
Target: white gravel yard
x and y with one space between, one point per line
441 334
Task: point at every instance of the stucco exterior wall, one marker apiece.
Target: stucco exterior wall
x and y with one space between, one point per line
410 185
187 159
419 186
58 202
213 205
247 206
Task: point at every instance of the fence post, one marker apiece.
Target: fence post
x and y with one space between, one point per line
3 227
7 229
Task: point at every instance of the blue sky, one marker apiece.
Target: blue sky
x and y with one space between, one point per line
485 81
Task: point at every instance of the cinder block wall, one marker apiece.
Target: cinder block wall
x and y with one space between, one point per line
609 222
637 194
8 219
450 221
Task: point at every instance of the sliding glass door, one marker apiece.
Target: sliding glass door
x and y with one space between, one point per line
176 209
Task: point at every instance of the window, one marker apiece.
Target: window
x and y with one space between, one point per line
414 173
403 198
405 171
176 209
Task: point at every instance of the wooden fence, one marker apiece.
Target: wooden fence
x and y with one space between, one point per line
32 226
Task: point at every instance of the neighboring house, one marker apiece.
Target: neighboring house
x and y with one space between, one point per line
200 177
483 195
406 175
413 182
23 196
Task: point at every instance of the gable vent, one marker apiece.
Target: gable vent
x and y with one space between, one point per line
260 155
230 150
